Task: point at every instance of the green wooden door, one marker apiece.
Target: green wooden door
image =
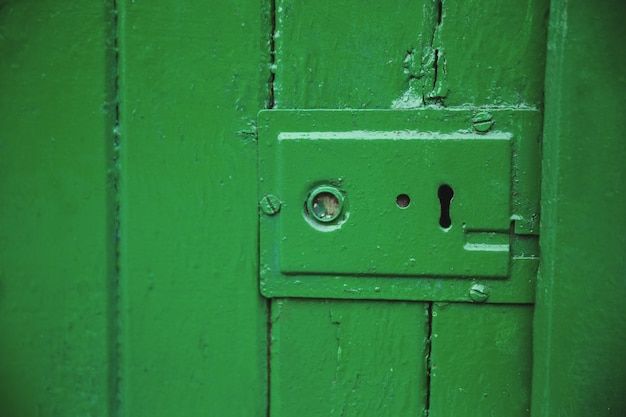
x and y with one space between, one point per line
333 357
130 262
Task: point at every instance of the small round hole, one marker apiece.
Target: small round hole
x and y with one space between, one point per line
324 204
403 200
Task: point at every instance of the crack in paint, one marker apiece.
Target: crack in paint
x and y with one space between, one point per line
429 345
115 170
272 52
427 75
274 308
336 321
434 71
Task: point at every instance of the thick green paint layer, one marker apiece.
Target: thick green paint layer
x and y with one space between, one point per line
56 230
481 360
348 358
191 331
490 53
580 332
409 54
343 55
405 55
337 55
193 76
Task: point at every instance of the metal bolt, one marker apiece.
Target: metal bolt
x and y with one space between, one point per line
270 204
483 122
479 293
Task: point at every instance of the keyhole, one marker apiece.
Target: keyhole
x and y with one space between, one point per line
446 193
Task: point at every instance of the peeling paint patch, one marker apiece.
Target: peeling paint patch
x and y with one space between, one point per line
411 99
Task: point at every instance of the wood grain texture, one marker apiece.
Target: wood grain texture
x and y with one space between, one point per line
336 357
344 54
193 76
348 358
56 229
405 55
481 360
492 53
580 331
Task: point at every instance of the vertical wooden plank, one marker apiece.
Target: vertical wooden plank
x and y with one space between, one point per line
334 357
56 233
580 331
481 360
193 76
348 358
490 53
346 54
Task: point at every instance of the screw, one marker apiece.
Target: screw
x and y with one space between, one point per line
483 122
270 204
479 293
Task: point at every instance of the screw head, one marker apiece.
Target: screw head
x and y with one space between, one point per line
270 204
479 293
483 122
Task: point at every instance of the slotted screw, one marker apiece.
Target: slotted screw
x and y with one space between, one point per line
483 122
270 204
479 293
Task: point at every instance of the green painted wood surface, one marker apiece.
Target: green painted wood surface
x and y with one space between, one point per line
481 359
330 55
190 335
580 332
348 358
493 52
342 54
193 325
409 54
349 56
56 228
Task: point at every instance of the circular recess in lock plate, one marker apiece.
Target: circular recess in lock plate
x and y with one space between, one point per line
324 204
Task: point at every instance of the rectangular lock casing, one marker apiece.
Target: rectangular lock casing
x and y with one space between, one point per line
417 194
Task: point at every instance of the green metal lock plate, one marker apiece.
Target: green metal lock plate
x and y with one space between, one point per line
399 204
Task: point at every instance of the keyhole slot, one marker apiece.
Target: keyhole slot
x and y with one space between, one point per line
446 194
